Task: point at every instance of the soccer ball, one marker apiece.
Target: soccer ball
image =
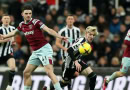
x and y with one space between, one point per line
85 48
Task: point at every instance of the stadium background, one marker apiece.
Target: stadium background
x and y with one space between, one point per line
112 18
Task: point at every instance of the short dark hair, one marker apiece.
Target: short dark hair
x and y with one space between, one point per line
70 15
5 15
27 7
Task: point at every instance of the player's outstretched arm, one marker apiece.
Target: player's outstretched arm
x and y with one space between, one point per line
11 34
58 43
53 33
5 40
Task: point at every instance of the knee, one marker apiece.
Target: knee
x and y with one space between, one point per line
121 74
26 74
12 68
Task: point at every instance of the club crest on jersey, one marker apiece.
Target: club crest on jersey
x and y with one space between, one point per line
30 26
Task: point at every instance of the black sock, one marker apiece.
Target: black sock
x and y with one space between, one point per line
11 77
92 76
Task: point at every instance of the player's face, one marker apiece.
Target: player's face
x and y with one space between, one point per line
6 20
27 15
90 36
70 20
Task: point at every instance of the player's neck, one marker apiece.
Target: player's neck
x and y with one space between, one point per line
70 26
5 25
27 21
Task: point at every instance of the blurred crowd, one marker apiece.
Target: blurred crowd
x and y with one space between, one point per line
112 23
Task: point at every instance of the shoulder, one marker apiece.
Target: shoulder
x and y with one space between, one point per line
12 27
62 30
81 39
34 21
20 24
76 28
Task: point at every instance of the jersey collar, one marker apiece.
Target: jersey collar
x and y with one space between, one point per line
5 26
28 22
70 28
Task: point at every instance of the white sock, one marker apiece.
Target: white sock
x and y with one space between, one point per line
57 86
27 87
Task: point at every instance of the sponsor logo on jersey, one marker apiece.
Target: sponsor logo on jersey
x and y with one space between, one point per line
29 33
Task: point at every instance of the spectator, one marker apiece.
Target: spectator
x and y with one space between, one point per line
60 22
127 21
87 21
101 46
115 62
102 62
122 32
101 23
116 44
108 35
94 14
115 25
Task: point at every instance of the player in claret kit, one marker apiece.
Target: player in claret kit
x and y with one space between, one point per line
125 65
42 50
74 64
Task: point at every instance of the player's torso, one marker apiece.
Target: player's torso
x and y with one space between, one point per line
34 35
76 45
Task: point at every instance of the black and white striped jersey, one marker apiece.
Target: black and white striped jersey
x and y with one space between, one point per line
5 48
73 50
72 35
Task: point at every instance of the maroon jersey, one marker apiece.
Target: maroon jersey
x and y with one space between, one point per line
33 33
127 42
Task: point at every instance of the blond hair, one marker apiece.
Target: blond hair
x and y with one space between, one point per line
92 29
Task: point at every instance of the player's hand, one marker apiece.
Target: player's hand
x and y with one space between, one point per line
64 39
1 37
78 66
66 49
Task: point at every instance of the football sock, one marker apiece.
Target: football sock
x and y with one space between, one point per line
92 76
57 86
11 77
27 87
112 77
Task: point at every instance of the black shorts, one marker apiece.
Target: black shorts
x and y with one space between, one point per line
68 73
4 59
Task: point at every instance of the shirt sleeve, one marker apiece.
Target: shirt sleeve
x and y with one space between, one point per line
19 27
74 48
39 24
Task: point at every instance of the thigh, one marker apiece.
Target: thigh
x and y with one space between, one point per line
125 65
68 73
34 60
11 63
83 64
4 59
30 68
87 71
48 68
45 54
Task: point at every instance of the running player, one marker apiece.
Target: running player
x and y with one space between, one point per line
6 50
125 63
42 50
74 64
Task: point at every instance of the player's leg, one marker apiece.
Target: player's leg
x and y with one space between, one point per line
65 80
27 76
49 71
91 75
32 64
87 71
124 68
12 66
45 56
